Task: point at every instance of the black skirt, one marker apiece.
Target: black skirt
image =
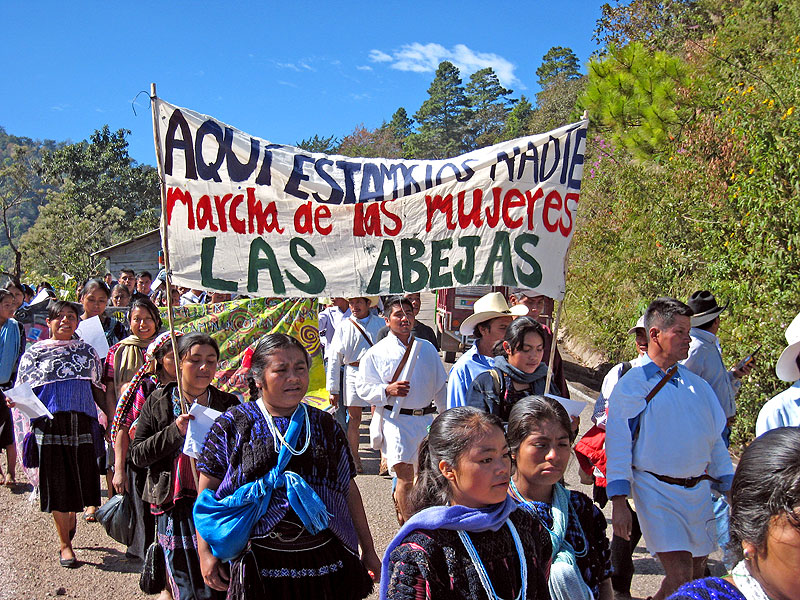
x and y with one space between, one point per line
69 479
291 563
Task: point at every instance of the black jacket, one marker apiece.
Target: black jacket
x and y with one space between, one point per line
158 440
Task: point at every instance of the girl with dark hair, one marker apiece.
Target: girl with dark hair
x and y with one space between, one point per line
518 370
764 525
289 464
64 372
12 345
468 540
94 299
540 437
171 483
15 289
127 357
159 369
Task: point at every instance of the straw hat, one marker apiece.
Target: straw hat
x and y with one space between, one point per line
786 368
639 325
489 307
705 307
373 300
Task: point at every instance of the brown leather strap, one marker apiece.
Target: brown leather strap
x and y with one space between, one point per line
403 360
670 374
687 482
361 331
354 364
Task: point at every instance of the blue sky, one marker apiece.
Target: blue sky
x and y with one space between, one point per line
280 71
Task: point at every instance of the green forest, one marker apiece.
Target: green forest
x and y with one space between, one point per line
691 176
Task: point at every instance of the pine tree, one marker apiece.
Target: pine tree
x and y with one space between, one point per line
442 118
516 124
558 61
489 108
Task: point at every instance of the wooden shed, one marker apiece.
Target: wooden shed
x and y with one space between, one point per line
139 253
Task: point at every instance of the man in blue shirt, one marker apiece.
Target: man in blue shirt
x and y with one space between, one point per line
487 324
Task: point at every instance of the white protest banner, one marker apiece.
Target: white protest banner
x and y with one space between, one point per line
248 216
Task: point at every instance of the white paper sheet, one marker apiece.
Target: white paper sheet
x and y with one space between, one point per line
573 407
91 332
199 427
28 403
40 297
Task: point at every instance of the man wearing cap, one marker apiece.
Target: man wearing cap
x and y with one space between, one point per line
705 357
664 445
352 339
784 409
404 378
535 304
487 324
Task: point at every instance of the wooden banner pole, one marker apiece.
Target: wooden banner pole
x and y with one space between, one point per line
557 322
164 242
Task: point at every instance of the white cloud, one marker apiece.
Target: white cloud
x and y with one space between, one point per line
364 68
378 56
425 58
287 83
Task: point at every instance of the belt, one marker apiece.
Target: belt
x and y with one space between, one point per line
415 412
687 482
353 364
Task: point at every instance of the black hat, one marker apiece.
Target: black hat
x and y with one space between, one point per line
705 307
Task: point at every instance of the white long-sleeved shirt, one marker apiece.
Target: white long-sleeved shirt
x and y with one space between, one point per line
609 382
427 380
680 433
705 360
329 321
348 346
782 411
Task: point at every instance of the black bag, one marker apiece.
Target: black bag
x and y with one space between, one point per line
118 518
154 570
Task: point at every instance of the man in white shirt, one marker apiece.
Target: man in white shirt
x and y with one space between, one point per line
354 336
404 378
667 450
330 319
784 409
705 354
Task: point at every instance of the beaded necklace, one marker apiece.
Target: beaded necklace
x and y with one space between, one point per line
277 439
484 576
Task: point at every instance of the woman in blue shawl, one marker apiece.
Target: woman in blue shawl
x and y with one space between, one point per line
12 345
279 501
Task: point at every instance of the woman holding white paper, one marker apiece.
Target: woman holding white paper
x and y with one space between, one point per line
94 299
518 370
12 345
171 486
65 375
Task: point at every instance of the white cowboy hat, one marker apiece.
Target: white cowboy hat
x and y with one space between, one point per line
373 300
639 325
488 307
786 368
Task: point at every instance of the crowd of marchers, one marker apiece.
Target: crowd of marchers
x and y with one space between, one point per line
270 507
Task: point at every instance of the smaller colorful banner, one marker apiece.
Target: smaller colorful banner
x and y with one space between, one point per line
238 325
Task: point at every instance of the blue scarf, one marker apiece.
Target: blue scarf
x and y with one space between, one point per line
226 524
455 517
9 349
